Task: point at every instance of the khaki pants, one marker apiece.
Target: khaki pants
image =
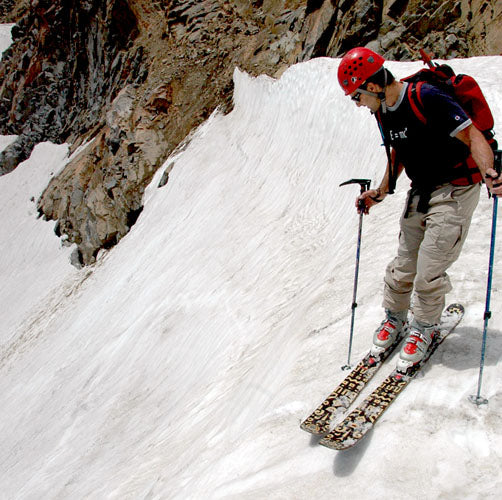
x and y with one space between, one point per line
428 244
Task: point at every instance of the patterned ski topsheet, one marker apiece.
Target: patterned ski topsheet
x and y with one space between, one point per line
363 418
347 391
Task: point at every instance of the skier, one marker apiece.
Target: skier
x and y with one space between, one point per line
445 190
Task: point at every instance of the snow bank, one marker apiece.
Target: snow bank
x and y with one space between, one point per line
5 36
33 262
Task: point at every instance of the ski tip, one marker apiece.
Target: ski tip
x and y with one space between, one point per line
456 308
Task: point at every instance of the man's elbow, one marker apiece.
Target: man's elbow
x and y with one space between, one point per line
471 135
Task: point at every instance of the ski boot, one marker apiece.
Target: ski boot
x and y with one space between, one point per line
387 333
416 345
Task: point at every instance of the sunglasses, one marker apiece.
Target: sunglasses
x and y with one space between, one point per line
356 97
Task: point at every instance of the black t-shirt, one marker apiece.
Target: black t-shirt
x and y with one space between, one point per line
428 151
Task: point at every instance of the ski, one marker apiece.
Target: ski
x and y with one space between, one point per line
363 418
347 391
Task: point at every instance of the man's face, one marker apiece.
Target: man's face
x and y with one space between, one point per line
368 101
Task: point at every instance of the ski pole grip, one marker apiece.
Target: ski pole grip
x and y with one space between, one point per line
497 160
497 166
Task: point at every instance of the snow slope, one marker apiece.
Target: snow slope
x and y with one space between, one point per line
5 37
181 364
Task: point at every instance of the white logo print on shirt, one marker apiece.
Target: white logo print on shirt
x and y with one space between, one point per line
400 134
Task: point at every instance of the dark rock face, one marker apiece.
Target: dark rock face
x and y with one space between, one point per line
6 7
97 198
332 28
136 76
65 66
394 28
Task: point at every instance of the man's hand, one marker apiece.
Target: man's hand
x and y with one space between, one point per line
366 200
493 181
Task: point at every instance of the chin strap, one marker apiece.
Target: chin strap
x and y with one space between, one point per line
381 95
383 102
378 95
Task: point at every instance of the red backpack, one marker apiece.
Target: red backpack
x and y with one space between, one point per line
463 88
466 91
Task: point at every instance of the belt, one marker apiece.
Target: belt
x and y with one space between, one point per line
423 201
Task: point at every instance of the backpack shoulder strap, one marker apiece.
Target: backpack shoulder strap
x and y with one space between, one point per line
392 162
415 98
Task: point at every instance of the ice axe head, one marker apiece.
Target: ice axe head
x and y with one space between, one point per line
364 183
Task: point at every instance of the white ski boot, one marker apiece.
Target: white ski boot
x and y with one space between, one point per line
416 345
386 334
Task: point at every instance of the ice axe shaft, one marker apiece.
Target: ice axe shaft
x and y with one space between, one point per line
365 185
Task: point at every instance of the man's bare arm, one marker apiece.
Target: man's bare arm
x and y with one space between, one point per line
482 154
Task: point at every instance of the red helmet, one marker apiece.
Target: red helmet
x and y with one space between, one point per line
356 67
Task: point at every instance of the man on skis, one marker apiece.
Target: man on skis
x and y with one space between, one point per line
445 189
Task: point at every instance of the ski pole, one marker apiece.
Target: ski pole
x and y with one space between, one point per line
477 399
365 185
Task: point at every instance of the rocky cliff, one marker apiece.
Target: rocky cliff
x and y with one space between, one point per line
132 78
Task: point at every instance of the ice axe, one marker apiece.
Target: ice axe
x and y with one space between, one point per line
365 185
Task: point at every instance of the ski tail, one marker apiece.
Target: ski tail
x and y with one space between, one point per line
338 402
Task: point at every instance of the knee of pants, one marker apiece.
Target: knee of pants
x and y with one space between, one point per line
401 271
432 284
